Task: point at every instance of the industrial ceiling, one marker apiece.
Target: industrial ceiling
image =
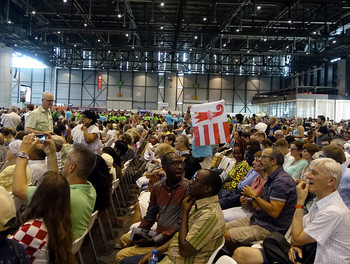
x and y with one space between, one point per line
274 37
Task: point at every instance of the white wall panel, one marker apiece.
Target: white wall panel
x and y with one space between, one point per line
139 94
76 76
38 75
227 82
227 95
139 79
214 95
215 82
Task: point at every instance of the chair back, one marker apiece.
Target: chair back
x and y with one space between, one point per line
212 257
226 260
79 241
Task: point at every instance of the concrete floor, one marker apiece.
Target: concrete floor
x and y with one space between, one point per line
120 227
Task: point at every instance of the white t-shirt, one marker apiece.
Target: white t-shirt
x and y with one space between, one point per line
78 137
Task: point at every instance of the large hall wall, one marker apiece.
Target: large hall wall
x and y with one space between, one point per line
143 90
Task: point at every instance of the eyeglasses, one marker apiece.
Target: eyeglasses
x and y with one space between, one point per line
258 159
264 156
195 179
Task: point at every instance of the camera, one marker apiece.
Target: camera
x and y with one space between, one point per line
41 138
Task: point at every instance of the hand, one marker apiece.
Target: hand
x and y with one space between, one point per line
87 122
302 191
28 144
189 107
248 191
49 145
145 258
146 241
291 253
244 201
186 204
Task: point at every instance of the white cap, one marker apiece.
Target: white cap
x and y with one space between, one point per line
7 208
109 161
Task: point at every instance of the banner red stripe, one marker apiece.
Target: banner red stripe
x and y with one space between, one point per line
227 131
206 134
216 133
196 136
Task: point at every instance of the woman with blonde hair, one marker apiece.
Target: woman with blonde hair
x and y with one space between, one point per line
298 132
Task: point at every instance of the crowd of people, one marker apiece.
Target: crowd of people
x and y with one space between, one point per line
283 181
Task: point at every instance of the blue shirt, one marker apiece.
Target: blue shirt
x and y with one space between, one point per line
68 115
103 118
169 119
344 186
281 187
248 179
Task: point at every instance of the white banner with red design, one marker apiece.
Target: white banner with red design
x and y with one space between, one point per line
210 124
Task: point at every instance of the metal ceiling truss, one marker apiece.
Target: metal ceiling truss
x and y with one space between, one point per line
137 30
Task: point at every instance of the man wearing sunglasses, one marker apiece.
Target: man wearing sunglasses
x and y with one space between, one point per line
40 120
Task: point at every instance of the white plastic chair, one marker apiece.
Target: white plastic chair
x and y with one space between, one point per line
226 260
79 241
211 259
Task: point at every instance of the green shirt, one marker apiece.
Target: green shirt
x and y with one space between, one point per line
206 228
40 120
121 118
82 202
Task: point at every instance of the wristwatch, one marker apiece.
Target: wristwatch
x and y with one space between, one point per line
254 198
22 154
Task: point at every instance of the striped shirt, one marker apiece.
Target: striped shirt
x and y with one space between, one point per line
165 203
206 227
328 222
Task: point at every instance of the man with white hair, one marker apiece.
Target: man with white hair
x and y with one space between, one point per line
40 120
260 126
12 119
327 224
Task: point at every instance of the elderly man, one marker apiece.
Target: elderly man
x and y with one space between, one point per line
79 164
12 119
202 224
273 211
40 120
327 224
164 207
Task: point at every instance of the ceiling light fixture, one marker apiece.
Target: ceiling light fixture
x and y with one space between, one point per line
237 29
75 45
127 35
58 32
162 4
119 15
290 21
258 7
33 12
85 25
64 1
195 37
162 27
204 19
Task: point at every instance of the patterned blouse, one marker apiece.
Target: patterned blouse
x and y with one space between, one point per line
236 174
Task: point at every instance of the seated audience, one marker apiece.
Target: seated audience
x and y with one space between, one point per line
164 207
202 225
273 211
327 224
